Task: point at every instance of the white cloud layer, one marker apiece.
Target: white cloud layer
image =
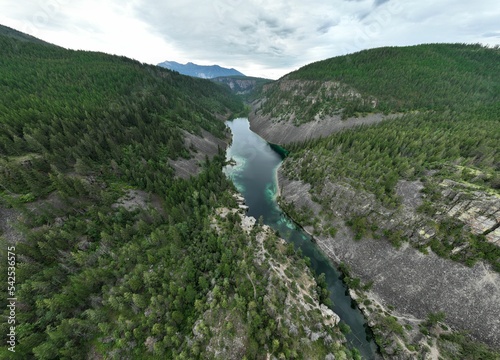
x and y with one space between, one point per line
259 38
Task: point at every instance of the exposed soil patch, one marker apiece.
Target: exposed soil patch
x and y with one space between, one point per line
138 199
8 219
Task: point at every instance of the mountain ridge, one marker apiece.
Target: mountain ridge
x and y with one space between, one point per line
201 71
15 34
388 80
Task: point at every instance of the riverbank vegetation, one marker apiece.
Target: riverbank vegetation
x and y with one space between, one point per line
426 175
447 129
116 255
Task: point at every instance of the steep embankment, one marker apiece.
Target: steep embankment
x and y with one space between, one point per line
298 110
363 88
419 191
285 131
108 191
404 277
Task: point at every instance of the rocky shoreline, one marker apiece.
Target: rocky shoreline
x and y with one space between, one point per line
411 282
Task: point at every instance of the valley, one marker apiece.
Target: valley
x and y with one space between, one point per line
151 221
129 239
382 200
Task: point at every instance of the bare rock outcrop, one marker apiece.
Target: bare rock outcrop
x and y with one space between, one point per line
285 132
414 283
199 147
319 113
479 211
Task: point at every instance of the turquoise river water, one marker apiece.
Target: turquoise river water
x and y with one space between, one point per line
254 175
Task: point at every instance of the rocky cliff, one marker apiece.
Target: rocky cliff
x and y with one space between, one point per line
297 110
241 85
411 281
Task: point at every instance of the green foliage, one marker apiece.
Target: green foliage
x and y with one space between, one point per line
460 346
359 225
374 158
461 146
422 77
434 318
391 325
344 328
332 231
280 150
304 101
95 274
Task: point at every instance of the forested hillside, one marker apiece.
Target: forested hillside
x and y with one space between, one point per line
388 80
425 148
426 179
452 131
115 255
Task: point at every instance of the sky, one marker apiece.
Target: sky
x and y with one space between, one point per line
257 37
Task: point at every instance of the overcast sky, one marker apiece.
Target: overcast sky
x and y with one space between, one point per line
257 37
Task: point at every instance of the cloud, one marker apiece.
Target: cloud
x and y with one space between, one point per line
326 26
273 35
257 37
492 34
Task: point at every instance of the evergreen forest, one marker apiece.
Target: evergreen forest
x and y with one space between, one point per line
116 256
445 126
387 80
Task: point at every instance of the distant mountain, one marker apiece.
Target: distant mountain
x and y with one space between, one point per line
201 71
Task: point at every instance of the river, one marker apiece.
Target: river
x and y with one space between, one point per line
254 175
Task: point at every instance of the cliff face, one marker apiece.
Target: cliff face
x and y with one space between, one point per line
297 110
239 86
285 132
478 211
406 278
